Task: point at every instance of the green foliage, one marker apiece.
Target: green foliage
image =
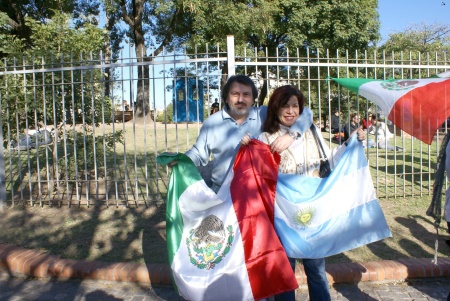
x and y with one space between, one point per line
86 150
166 115
420 38
82 12
62 40
9 44
60 99
279 24
274 28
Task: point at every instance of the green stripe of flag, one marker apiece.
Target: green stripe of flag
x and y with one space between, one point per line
353 84
177 186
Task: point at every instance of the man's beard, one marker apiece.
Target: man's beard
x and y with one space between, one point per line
238 112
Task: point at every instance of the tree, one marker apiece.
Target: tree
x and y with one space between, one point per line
421 38
278 25
57 98
418 42
148 23
17 11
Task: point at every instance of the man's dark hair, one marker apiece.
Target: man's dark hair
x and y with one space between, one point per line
377 117
241 79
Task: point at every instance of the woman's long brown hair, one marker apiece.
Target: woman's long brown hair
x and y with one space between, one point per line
280 97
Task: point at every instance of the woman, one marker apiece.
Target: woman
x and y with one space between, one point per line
352 126
302 157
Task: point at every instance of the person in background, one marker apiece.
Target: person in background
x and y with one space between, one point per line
215 107
367 121
221 134
352 126
285 106
447 193
382 134
335 124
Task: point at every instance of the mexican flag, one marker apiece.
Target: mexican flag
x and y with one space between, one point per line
224 246
417 106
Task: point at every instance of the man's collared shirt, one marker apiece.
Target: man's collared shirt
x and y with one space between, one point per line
220 138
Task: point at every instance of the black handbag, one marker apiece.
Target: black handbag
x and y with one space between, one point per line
325 168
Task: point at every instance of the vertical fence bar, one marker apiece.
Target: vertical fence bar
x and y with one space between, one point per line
26 132
231 56
75 136
37 130
3 203
66 115
103 96
18 137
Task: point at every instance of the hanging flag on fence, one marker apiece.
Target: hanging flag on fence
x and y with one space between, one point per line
224 246
320 217
417 106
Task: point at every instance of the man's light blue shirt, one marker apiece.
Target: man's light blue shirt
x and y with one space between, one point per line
220 138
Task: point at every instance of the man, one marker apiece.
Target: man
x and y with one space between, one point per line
221 133
335 123
447 193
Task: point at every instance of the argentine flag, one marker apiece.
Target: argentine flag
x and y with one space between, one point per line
316 217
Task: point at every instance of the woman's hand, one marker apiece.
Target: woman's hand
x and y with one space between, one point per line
246 139
281 143
361 135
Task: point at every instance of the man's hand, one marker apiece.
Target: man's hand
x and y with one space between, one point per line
281 143
171 164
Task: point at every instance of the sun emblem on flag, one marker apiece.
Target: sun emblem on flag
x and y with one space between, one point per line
209 243
399 85
304 217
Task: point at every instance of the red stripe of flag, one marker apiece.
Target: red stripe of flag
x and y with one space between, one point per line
423 110
253 193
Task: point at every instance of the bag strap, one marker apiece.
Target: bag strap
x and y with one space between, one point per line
319 144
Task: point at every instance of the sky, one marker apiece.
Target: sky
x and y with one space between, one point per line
397 15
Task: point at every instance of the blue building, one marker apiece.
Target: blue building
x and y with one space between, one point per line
187 100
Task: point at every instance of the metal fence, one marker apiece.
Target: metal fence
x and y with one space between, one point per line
72 135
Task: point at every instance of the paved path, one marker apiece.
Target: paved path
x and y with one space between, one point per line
53 278
15 289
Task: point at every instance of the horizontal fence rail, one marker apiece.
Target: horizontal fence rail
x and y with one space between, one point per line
73 131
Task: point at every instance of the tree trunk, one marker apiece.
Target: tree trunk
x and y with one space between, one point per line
143 95
263 93
142 105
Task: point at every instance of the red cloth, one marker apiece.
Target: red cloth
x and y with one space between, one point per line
253 193
423 110
366 123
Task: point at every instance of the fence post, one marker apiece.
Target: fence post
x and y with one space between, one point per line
2 172
230 56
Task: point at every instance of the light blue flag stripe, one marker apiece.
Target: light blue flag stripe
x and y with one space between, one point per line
316 218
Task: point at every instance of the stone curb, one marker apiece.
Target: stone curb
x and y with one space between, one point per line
24 262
